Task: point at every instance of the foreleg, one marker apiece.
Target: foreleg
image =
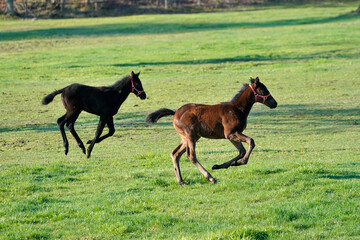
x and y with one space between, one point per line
238 138
110 124
99 130
241 154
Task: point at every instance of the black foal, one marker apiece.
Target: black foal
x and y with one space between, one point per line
102 101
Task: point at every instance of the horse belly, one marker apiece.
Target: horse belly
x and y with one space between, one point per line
213 131
198 120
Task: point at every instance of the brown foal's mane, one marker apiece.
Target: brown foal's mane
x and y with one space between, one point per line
242 89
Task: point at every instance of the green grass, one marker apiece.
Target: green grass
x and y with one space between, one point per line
302 179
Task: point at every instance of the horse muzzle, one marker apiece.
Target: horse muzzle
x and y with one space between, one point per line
270 102
142 96
273 104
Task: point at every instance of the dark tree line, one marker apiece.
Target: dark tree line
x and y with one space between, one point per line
9 7
61 8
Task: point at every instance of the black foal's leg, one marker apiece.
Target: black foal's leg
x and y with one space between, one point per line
70 125
241 150
99 130
110 124
61 122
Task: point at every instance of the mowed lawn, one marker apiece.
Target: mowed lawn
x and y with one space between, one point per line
302 180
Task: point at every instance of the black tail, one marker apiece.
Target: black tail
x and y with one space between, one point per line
46 100
155 116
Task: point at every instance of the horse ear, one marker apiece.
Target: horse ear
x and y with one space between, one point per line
138 73
132 73
254 80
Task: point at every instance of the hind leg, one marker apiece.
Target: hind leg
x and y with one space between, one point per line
70 125
241 150
61 122
191 155
176 155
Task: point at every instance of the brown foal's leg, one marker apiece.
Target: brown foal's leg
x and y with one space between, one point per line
176 155
238 137
191 155
241 150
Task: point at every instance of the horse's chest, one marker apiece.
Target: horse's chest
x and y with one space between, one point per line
242 126
235 119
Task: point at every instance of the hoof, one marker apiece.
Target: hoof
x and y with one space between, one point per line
215 167
82 147
182 183
241 162
66 151
212 180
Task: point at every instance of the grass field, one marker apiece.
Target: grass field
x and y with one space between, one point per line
302 180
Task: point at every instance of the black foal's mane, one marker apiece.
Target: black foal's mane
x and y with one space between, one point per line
120 83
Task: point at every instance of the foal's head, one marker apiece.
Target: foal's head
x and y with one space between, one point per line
136 85
261 93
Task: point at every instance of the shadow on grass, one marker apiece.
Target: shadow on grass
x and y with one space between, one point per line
159 28
293 110
128 120
336 175
341 53
310 115
285 114
297 150
342 177
31 127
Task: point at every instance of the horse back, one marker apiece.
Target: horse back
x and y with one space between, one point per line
95 100
209 121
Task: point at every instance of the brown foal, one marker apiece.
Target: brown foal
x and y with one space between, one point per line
225 120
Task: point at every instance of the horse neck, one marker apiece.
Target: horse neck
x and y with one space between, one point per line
123 86
245 101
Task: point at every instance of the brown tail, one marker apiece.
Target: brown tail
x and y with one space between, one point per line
46 100
155 116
